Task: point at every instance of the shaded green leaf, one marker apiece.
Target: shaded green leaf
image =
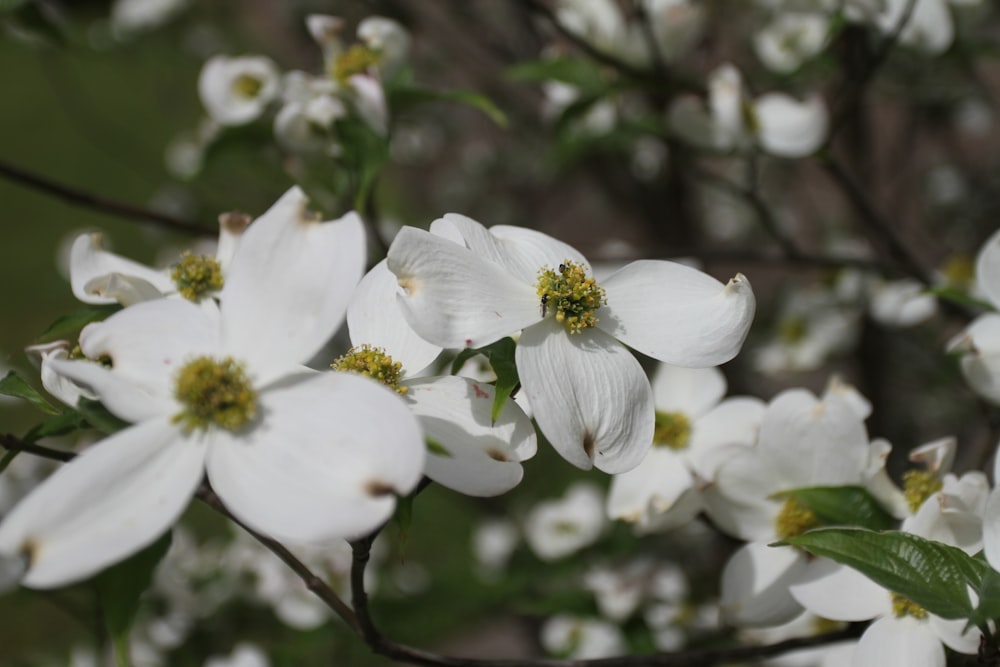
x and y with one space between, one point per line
14 385
98 416
501 356
843 506
401 97
931 574
68 326
436 447
67 422
120 587
989 598
958 296
583 74
11 5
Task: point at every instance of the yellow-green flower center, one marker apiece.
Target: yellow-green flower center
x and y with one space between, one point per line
918 486
197 275
372 362
794 518
355 60
214 392
959 271
571 295
247 85
673 430
793 329
902 606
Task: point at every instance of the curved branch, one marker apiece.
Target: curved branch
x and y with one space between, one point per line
104 205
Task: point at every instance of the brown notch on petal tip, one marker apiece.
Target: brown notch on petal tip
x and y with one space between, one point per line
377 488
588 444
307 215
497 455
30 550
234 222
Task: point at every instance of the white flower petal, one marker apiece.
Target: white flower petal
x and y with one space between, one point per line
691 391
651 488
840 593
323 461
56 384
454 297
149 342
991 529
121 397
91 267
521 251
899 642
677 314
108 503
755 585
589 396
374 318
739 498
955 634
789 128
482 459
225 99
988 268
980 362
735 421
809 442
288 288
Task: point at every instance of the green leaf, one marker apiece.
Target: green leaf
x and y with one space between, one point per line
98 416
577 72
436 447
120 587
14 385
11 5
501 356
989 598
364 154
931 574
403 96
62 424
843 506
958 296
68 326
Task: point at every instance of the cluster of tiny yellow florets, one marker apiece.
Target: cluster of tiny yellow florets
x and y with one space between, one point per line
918 486
214 392
355 60
794 519
902 606
246 85
196 275
372 362
673 430
571 294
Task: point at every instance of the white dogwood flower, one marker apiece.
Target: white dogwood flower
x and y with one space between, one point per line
298 455
692 424
465 286
468 451
235 90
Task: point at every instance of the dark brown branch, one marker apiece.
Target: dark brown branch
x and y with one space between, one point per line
360 619
12 443
849 99
104 205
205 494
879 229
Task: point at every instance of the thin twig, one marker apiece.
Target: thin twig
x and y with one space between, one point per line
12 443
102 204
878 227
850 98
